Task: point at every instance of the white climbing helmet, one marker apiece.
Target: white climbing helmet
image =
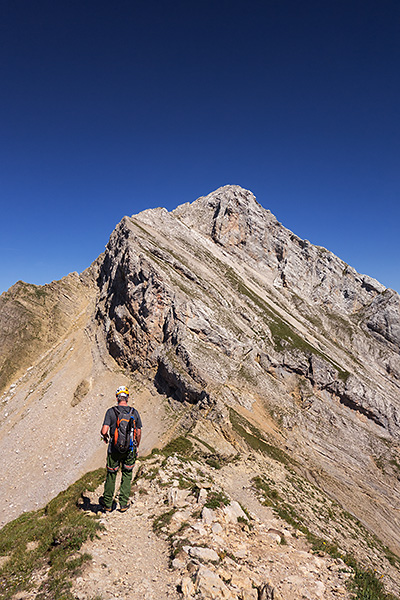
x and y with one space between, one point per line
122 392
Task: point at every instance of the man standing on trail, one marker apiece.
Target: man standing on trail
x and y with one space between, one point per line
122 430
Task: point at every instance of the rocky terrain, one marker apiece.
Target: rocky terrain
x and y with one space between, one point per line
220 318
207 523
230 308
186 538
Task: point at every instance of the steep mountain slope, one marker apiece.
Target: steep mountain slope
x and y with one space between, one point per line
33 318
219 318
227 307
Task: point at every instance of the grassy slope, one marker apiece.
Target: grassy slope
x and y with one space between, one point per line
46 543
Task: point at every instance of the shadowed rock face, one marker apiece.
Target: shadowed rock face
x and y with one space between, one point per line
219 306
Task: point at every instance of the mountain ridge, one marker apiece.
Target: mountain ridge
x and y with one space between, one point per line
213 307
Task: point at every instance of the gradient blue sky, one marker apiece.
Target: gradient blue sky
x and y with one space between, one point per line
111 107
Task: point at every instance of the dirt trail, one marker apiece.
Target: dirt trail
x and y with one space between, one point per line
216 553
129 560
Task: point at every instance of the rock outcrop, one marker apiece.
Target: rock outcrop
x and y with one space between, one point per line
197 532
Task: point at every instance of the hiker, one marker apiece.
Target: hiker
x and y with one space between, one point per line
122 430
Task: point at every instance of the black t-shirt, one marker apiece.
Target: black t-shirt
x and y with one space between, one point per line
110 418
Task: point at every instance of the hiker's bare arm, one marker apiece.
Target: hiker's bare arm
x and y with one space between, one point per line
138 437
104 432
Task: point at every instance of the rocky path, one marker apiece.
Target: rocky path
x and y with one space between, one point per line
186 537
129 560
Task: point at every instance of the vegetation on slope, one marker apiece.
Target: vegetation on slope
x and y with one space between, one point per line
322 521
42 548
44 545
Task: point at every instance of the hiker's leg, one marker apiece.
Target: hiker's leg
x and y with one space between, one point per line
109 485
125 489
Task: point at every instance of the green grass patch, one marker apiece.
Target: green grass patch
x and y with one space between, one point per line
81 391
208 446
180 445
150 474
49 538
395 464
186 483
217 500
213 462
366 583
163 520
253 438
177 546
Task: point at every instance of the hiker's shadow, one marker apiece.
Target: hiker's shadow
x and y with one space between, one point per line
86 504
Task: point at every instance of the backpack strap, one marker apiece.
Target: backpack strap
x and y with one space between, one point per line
117 416
117 412
134 425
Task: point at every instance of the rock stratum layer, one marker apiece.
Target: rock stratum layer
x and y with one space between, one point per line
210 308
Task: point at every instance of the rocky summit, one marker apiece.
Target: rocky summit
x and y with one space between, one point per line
273 357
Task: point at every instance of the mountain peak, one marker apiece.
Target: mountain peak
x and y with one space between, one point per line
233 196
230 215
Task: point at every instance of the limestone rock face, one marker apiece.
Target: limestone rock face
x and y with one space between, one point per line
233 218
383 317
222 306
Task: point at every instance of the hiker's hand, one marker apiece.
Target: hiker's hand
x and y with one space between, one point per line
105 438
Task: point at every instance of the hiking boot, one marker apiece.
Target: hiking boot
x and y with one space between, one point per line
103 505
125 507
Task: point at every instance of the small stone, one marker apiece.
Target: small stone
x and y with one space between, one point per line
274 536
209 585
187 587
208 515
241 553
199 528
217 528
251 594
202 496
206 554
177 564
266 592
340 591
320 589
177 497
241 582
233 511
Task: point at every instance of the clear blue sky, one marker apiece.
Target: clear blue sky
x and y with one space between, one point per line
111 107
